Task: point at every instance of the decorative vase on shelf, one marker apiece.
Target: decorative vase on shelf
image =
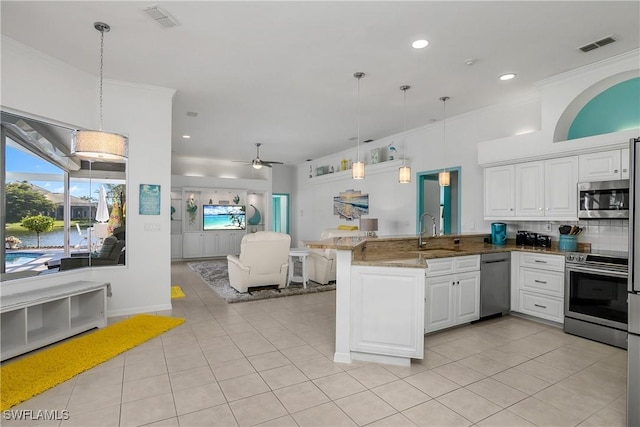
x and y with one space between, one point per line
255 218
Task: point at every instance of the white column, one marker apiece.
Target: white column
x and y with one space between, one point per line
343 307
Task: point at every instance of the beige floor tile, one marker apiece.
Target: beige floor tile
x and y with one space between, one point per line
320 367
589 386
241 387
372 375
577 405
301 396
148 387
545 372
543 414
468 404
484 365
262 362
339 385
459 374
232 369
431 383
167 422
433 359
606 417
220 415
215 342
90 398
434 413
283 376
191 378
197 398
365 407
144 369
620 404
257 409
106 417
186 362
497 392
395 420
400 394
505 419
454 352
148 410
298 354
224 354
286 421
526 383
511 359
325 415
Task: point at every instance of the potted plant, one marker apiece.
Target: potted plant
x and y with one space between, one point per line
12 241
192 207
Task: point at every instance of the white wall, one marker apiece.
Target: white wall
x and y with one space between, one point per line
37 84
501 133
394 204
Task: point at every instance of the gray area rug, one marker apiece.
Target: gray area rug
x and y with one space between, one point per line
215 274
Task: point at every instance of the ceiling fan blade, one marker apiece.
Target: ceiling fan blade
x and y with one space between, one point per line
272 162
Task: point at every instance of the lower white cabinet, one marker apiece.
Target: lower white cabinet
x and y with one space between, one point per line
539 285
176 246
30 320
387 311
211 244
452 292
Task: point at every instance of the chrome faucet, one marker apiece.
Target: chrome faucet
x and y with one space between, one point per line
433 227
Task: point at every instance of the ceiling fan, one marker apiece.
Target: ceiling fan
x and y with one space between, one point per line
258 163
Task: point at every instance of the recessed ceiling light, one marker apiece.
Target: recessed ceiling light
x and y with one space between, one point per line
420 44
186 136
507 76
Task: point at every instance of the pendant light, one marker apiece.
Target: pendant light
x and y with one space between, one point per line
357 170
444 178
404 173
97 144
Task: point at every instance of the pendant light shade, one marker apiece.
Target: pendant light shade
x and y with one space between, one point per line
96 144
404 173
357 170
444 178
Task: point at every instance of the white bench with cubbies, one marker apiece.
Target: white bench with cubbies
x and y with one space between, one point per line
34 319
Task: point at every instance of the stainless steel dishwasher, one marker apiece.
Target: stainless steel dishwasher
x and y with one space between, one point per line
495 284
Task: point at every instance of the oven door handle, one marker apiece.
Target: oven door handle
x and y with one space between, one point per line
596 270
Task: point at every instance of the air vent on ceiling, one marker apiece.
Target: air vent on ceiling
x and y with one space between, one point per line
161 16
594 45
192 114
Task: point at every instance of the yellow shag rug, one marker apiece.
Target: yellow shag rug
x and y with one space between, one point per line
176 292
31 375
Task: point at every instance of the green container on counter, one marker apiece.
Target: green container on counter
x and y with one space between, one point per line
568 243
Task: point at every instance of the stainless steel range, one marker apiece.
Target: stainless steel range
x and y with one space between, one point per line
595 303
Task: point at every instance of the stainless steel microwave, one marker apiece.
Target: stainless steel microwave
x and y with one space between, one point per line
603 199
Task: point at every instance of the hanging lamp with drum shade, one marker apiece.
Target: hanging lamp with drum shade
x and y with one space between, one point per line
444 177
97 144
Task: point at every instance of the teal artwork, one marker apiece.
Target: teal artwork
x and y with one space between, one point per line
614 109
255 218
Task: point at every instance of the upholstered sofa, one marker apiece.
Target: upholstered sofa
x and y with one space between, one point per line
321 263
263 260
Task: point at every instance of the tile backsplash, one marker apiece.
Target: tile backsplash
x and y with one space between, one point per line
603 234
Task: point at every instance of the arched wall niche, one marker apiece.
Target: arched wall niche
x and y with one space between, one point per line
599 91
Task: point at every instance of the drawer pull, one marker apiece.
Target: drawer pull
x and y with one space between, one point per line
540 281
540 306
541 261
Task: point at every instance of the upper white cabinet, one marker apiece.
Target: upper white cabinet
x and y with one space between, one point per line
624 163
543 189
499 185
602 166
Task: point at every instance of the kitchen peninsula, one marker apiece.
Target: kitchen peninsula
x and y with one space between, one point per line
381 292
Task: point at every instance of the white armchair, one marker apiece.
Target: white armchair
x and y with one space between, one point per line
321 263
263 260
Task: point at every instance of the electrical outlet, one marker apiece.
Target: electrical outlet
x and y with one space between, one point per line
547 226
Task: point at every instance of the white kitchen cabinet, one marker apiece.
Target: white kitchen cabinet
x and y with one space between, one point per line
176 246
601 166
211 244
529 189
192 245
543 189
624 163
387 311
452 292
539 285
499 192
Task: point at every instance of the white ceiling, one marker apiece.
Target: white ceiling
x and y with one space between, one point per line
281 73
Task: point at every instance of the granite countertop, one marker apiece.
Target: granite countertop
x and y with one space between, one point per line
420 258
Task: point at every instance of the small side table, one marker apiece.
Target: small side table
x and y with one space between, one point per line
301 254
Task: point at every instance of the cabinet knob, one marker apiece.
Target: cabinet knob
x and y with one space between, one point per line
624 170
615 171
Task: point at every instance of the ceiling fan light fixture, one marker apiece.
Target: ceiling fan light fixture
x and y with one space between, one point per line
257 164
97 144
420 44
507 76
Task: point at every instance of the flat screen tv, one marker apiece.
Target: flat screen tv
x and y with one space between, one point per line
224 217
